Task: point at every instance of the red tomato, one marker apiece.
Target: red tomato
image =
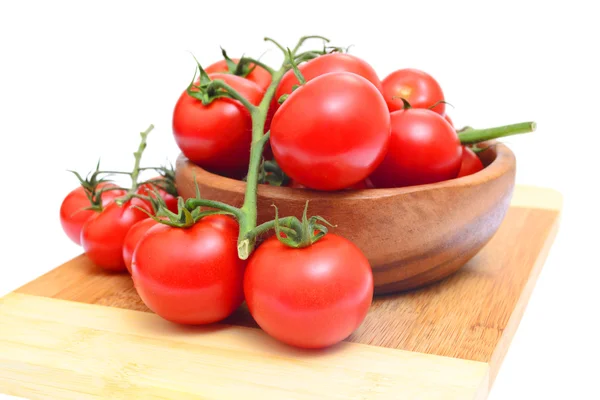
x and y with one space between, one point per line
424 148
217 137
72 210
312 297
470 163
259 75
193 275
417 87
332 132
133 237
335 62
103 235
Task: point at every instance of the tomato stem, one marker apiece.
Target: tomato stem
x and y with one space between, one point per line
220 84
136 166
471 136
194 203
259 63
286 222
248 217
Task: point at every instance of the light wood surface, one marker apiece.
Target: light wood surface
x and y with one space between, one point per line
470 316
114 353
412 236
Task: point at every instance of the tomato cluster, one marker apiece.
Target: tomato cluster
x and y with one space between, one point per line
339 127
323 121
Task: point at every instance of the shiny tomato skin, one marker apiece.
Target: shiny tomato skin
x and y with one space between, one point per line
470 163
259 75
312 297
72 210
190 276
217 137
335 62
416 86
135 233
423 149
332 132
103 235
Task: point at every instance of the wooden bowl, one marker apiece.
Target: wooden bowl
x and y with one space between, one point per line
412 236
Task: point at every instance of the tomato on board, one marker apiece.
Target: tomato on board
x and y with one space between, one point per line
217 137
259 75
335 62
332 132
133 237
424 148
73 213
470 163
417 87
103 235
192 275
311 297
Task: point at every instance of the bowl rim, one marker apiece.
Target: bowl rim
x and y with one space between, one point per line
502 161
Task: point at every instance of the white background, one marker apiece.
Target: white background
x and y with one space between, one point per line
78 81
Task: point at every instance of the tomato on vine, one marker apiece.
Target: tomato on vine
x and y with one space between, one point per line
252 72
309 297
217 136
343 136
190 275
74 210
424 148
133 237
334 62
417 87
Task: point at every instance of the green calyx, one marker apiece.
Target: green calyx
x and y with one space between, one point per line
90 186
270 173
302 233
188 212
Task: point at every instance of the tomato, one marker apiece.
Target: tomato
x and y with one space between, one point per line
335 62
133 237
311 297
470 163
193 275
73 213
217 137
417 87
103 235
259 75
332 132
424 148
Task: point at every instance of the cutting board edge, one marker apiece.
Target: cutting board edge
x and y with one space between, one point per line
38 374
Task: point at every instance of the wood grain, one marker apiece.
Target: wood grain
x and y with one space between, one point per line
471 315
53 349
412 236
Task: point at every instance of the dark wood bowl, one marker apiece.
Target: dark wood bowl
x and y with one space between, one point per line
412 236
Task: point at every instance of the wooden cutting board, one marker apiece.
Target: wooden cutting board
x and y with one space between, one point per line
78 333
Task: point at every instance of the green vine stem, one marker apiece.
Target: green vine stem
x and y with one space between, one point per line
209 90
135 172
470 136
